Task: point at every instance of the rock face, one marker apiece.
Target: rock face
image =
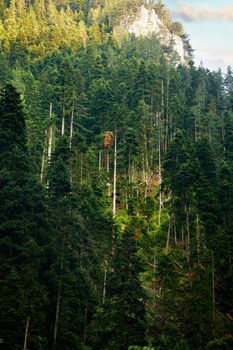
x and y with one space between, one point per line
146 22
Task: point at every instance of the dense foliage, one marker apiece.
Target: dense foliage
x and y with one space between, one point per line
116 198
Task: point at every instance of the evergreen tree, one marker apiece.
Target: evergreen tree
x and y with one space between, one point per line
123 316
23 296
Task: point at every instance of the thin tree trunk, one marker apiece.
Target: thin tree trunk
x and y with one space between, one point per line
167 116
182 235
50 142
50 132
171 126
198 240
57 316
114 176
162 112
168 237
26 334
43 158
81 169
143 169
160 174
132 171
126 202
175 234
72 125
137 211
188 230
108 166
129 169
63 122
105 284
58 297
100 159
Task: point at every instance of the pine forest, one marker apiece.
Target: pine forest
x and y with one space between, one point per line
116 183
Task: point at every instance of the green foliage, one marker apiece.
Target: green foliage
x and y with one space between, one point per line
160 271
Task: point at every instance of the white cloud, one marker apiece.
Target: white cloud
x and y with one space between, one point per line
215 58
205 13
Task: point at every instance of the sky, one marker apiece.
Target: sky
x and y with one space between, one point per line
209 24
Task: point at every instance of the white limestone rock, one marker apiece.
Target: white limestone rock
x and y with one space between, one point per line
146 22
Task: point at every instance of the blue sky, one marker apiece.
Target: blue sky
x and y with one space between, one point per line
210 26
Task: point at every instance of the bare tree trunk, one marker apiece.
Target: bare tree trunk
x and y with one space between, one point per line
100 159
162 114
105 283
132 171
58 297
171 126
188 230
26 334
43 158
167 116
50 141
57 316
108 166
129 169
63 123
160 174
114 176
143 169
137 212
175 234
182 235
81 169
50 132
72 125
168 237
198 240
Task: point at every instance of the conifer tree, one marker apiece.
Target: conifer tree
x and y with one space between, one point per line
23 296
124 311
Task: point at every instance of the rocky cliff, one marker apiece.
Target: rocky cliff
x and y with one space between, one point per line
145 22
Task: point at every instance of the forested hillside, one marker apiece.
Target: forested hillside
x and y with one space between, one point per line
116 196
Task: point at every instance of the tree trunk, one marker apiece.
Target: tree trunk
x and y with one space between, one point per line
108 166
43 158
160 174
167 116
129 169
26 334
175 234
188 230
71 125
168 237
162 113
182 235
81 169
57 316
63 122
105 284
198 240
114 176
50 133
100 159
58 297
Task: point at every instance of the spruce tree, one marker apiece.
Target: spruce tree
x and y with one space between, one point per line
124 312
23 296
